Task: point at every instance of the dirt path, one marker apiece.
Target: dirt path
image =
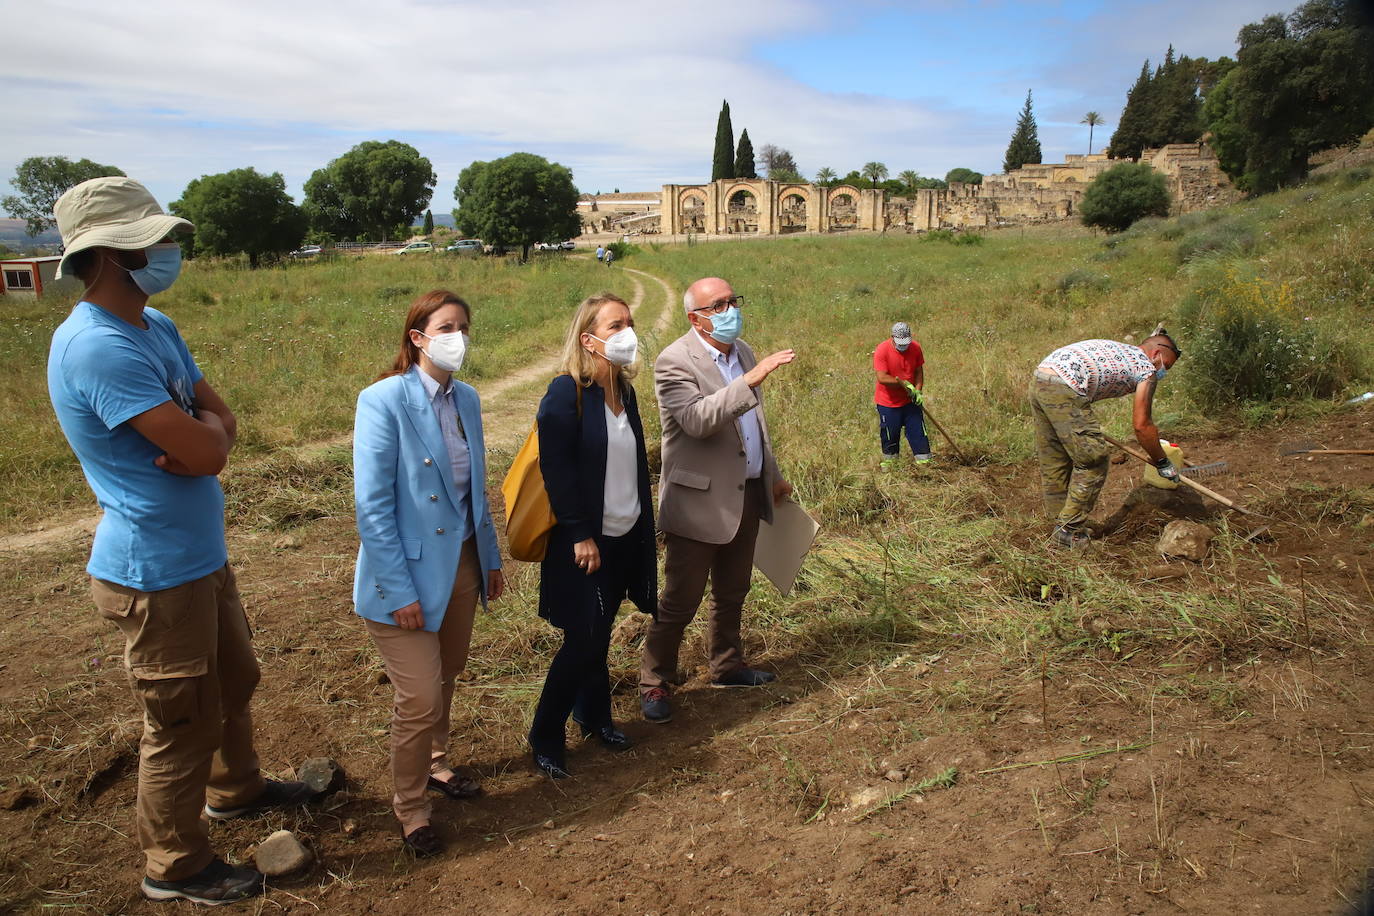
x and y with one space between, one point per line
508 403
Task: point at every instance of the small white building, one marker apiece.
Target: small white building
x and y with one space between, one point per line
26 277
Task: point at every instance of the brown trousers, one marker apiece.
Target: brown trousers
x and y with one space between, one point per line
423 668
190 658
686 565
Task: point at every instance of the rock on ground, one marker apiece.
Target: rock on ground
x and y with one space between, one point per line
1188 540
280 854
322 775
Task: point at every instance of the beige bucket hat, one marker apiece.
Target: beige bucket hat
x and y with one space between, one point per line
115 212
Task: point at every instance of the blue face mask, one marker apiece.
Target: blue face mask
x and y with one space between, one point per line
726 326
1159 374
162 270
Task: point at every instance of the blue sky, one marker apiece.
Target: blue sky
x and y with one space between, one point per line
624 94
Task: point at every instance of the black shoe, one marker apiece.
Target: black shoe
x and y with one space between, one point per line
1071 538
457 788
551 766
655 705
214 885
274 794
609 736
423 842
745 677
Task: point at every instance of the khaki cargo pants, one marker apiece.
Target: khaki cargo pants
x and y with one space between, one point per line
190 659
1073 455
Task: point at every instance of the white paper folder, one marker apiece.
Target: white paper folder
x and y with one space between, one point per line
781 546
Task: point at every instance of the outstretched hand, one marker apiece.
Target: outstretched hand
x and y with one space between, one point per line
755 376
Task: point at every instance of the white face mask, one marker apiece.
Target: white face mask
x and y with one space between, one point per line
447 350
621 347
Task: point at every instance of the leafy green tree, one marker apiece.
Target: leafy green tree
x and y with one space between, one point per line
1123 194
854 177
1132 133
369 191
1300 85
909 179
744 157
1025 140
242 211
1092 119
966 176
825 177
1177 115
723 164
874 172
778 164
428 228
40 180
519 199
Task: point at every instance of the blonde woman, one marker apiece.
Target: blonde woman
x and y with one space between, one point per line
591 448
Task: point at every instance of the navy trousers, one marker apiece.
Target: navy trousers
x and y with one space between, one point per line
893 420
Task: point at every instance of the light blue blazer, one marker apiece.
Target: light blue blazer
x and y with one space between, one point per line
406 503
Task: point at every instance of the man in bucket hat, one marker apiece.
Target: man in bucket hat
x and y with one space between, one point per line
152 436
900 367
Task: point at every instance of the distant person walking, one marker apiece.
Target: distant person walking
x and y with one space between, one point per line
428 549
1073 455
900 368
719 480
600 252
602 550
152 437
610 255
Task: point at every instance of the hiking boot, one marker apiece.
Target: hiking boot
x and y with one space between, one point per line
888 464
214 885
274 794
924 459
655 705
1070 538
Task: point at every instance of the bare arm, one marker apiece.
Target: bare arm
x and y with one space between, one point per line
1146 433
207 399
192 446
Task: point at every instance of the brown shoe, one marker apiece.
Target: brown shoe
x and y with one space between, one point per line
423 842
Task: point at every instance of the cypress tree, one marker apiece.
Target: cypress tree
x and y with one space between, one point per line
723 165
429 222
1025 140
744 157
1133 130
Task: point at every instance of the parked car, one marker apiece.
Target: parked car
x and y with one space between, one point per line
466 246
415 247
306 251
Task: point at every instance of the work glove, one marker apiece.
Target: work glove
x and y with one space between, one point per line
1166 469
914 392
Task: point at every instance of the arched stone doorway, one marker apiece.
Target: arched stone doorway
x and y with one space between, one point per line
844 209
692 211
741 211
793 204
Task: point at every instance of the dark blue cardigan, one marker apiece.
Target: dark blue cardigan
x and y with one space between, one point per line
572 459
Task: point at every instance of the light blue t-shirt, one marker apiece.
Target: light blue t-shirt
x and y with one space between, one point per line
159 529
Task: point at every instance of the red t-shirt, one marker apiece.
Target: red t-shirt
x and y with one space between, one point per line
901 365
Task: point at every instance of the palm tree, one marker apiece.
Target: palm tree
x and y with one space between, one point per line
1092 119
909 177
825 177
874 172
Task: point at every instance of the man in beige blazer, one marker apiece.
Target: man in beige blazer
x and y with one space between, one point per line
719 479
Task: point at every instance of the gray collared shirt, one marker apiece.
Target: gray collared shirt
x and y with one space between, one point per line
459 458
748 424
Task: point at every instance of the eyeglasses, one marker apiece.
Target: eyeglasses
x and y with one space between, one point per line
720 305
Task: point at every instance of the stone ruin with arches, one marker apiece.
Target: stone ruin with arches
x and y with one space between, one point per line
1036 193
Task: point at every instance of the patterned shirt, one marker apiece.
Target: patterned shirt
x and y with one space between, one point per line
1100 369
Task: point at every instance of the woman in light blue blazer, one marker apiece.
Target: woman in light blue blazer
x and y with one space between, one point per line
428 550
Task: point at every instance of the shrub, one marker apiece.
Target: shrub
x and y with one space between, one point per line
949 235
1230 238
1123 194
1082 278
623 250
1246 343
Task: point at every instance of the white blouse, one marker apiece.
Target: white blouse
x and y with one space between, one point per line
621 502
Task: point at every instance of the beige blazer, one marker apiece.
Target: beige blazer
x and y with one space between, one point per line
701 488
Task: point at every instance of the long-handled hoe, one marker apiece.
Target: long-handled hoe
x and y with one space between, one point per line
926 412
1205 491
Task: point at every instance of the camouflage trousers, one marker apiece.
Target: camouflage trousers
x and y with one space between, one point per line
1073 455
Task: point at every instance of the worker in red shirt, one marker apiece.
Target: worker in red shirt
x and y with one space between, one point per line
899 363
